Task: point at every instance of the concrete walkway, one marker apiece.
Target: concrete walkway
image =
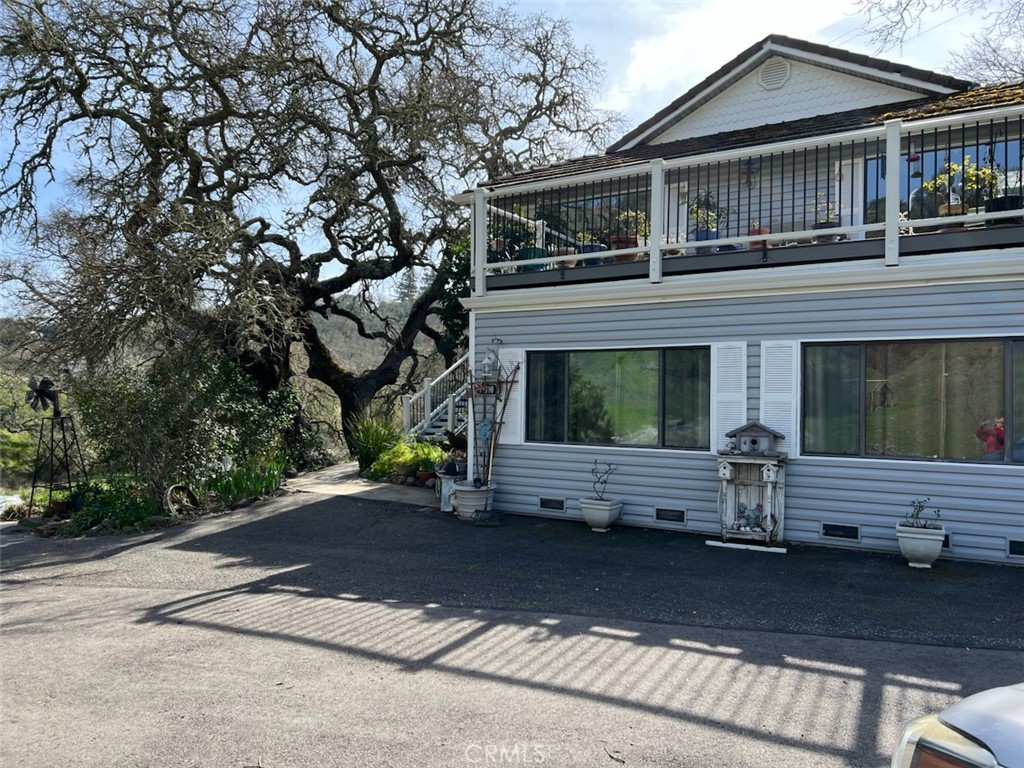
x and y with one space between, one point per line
344 480
318 629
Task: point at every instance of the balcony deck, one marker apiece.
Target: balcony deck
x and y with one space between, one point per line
1006 235
947 184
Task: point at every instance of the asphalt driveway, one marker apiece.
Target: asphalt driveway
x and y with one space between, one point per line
319 630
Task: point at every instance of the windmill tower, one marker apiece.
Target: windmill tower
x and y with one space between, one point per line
58 454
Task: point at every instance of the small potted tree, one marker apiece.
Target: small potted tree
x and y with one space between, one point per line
600 512
920 538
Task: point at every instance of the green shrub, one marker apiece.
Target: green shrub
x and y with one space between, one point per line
178 419
372 436
252 480
406 458
120 499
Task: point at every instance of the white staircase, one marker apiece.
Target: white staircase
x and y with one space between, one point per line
440 405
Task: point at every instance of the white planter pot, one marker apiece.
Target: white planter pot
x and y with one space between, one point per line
921 546
599 514
469 499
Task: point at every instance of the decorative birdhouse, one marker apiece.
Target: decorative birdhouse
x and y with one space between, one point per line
755 439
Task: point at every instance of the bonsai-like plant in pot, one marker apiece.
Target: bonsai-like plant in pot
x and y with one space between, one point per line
920 538
600 512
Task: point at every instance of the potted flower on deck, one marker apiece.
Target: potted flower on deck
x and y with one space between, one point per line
600 512
920 539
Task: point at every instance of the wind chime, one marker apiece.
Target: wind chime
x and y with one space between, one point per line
58 453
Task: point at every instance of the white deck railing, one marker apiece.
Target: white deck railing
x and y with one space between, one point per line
783 187
426 406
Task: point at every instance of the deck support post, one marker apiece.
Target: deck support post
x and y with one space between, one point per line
478 237
657 218
892 192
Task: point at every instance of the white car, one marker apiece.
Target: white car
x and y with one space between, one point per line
985 730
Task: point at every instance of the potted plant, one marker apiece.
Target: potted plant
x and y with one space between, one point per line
756 229
704 214
589 244
825 218
600 512
490 390
961 187
628 226
920 539
426 468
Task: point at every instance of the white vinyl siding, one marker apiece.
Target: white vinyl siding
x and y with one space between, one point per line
980 502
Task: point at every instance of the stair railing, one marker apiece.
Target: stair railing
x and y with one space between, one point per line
421 409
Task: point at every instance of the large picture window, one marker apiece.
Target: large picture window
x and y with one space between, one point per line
636 397
941 400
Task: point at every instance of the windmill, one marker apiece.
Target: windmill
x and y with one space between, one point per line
58 454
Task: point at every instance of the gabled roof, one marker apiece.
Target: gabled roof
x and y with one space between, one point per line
755 425
820 125
909 78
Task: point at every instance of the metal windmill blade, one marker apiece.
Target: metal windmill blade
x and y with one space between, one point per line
43 393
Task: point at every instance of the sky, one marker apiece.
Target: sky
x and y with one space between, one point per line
656 50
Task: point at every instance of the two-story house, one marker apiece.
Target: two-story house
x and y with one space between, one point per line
824 242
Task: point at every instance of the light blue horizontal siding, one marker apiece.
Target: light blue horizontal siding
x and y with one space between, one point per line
983 504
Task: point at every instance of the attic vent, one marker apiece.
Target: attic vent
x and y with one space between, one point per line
773 74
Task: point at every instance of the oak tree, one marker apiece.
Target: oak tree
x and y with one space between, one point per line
225 170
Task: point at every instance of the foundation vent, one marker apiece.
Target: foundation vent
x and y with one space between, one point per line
840 531
551 505
1015 548
671 515
773 74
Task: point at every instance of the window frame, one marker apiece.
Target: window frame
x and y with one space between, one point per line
661 393
1008 343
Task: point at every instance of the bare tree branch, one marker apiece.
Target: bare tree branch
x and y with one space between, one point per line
997 55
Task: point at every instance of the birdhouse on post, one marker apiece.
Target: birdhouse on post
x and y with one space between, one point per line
755 439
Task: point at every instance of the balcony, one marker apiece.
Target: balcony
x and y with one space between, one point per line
883 192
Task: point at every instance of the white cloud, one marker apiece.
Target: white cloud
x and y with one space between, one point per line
656 50
695 39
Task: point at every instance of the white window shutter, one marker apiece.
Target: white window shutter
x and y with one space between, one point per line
779 375
512 428
729 390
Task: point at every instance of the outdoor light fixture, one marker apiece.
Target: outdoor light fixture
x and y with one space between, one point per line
487 366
